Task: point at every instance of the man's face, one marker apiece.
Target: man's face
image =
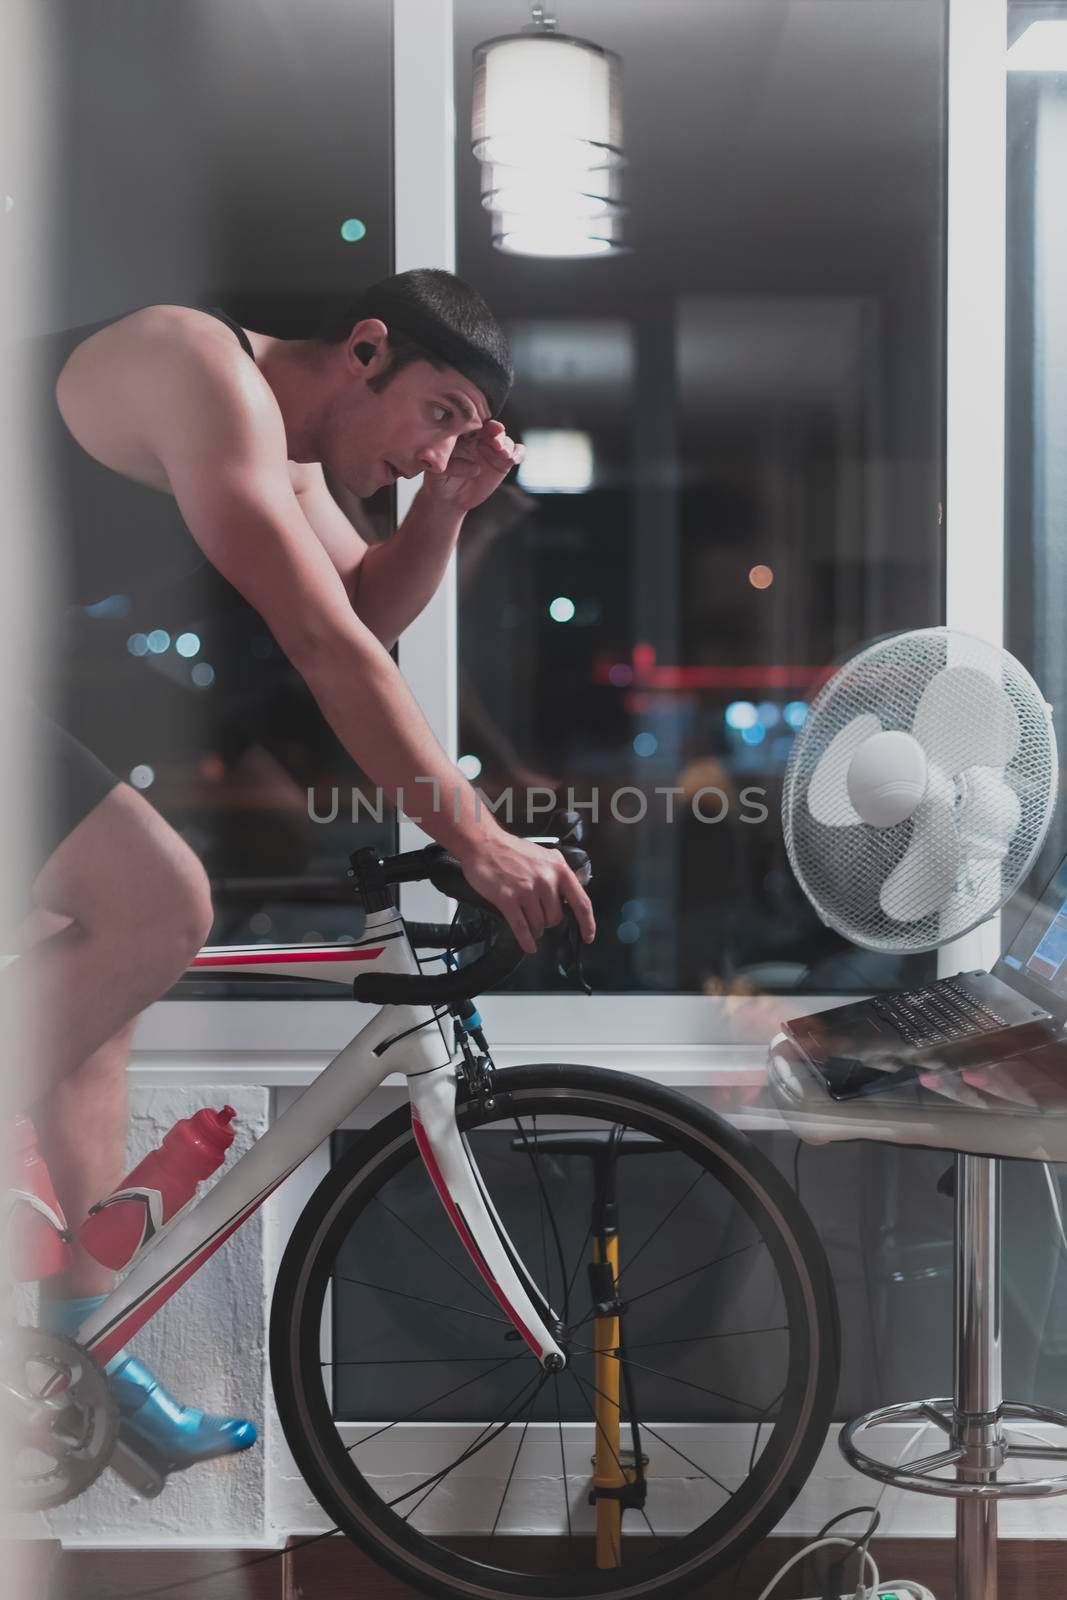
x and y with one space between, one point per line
410 426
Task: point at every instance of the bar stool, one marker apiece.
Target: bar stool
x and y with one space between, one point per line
975 1419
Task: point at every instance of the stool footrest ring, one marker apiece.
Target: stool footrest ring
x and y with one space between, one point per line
975 1480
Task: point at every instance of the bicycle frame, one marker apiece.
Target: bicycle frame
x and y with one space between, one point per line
407 1039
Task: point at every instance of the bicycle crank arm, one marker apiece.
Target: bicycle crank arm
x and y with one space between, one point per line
139 1471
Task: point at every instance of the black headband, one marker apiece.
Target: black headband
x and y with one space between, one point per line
491 376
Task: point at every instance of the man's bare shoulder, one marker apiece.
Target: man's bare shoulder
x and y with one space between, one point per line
155 339
127 388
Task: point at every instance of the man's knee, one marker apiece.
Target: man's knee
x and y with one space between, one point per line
124 872
182 905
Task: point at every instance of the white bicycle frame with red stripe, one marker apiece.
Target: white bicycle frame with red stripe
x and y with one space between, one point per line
409 1039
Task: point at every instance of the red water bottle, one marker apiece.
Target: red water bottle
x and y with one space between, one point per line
35 1229
158 1187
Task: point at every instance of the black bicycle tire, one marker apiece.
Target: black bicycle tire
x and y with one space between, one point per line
395 1549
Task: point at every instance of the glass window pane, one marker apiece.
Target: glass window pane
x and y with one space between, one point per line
736 466
236 156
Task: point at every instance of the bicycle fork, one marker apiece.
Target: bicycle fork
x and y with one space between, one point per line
454 1174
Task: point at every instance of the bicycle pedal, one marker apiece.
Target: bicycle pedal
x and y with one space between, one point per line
141 1473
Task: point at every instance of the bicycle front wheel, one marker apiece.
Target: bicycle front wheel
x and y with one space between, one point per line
433 1438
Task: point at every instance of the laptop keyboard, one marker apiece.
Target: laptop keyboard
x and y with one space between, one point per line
939 1014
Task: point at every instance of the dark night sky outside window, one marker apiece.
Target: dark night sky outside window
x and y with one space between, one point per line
761 377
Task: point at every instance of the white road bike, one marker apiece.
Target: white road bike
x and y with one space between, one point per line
549 1331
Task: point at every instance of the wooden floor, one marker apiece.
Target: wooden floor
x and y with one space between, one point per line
333 1569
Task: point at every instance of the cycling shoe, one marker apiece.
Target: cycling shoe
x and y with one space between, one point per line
151 1422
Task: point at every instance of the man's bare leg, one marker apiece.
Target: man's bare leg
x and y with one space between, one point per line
81 1133
123 906
138 907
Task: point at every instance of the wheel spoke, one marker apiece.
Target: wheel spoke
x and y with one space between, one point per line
754 1452
418 1361
386 1427
546 1205
599 1427
649 1429
663 1222
486 1436
540 1202
703 1338
511 1474
563 1460
638 1366
479 1288
705 1266
578 1263
440 1305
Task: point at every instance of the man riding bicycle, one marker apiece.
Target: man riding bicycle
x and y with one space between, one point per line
237 428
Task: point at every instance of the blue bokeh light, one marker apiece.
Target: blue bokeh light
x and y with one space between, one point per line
741 714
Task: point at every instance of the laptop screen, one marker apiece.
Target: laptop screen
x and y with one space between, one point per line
1037 959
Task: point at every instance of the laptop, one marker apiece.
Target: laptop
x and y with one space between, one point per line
976 1017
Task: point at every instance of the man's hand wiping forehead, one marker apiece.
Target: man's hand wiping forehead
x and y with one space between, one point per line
479 464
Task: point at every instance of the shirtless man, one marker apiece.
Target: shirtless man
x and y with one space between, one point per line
237 426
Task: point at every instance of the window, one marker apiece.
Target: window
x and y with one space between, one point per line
746 411
220 156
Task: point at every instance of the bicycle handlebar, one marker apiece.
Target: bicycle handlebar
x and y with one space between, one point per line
503 954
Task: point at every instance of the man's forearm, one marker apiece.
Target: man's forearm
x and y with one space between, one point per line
398 577
376 717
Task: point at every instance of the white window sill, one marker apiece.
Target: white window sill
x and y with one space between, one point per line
685 1041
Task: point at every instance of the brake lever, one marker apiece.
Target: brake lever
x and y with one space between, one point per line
569 961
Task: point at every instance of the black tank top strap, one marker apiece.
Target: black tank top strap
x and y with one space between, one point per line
235 327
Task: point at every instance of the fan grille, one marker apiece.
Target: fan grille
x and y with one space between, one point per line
842 868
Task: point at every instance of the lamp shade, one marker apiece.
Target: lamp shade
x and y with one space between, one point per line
553 236
577 195
546 102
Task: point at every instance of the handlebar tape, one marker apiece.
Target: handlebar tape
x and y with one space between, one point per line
488 972
500 960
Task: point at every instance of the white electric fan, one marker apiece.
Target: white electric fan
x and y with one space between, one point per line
919 789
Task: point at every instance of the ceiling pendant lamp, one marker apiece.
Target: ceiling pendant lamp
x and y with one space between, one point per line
546 125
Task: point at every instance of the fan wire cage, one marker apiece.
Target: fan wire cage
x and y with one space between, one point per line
843 863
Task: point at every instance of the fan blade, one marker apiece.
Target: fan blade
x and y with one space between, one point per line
980 893
986 823
964 719
923 880
990 813
828 799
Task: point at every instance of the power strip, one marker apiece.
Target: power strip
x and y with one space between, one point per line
905 1590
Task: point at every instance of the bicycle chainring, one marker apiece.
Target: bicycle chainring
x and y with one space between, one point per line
58 1415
